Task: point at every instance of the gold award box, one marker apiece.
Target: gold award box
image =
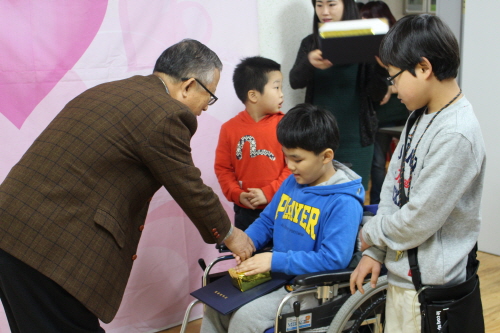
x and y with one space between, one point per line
244 283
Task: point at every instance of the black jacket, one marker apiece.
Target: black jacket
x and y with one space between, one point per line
372 86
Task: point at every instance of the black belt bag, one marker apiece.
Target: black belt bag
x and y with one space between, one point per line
452 309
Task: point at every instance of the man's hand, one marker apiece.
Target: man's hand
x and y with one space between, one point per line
366 266
245 198
316 59
258 197
240 244
259 263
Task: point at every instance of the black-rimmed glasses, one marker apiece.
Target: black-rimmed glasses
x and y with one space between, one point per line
391 78
212 99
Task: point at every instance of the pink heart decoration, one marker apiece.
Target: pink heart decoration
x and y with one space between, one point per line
41 41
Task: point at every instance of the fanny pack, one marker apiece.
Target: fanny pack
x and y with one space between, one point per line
449 309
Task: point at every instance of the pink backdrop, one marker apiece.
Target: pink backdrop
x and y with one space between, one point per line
53 51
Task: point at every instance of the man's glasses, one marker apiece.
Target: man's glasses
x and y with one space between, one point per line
212 99
391 78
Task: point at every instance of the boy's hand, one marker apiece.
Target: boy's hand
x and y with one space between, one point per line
366 266
258 197
245 198
259 263
237 258
316 59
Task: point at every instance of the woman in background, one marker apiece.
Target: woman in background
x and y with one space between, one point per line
390 111
347 91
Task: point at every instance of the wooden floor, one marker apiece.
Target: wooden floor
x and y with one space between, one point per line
489 276
490 293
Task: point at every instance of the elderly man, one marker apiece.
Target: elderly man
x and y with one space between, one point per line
73 208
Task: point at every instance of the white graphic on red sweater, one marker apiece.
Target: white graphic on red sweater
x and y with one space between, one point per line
253 148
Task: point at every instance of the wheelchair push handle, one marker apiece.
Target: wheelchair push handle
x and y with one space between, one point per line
202 264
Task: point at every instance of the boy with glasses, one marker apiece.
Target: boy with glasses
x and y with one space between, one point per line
431 196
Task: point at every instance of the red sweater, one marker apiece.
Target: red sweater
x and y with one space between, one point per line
249 156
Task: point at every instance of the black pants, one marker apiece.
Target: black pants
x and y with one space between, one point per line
35 303
243 217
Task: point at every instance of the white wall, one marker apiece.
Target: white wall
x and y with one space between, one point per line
397 8
282 25
480 82
450 11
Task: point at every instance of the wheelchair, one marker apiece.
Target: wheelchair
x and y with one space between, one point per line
336 310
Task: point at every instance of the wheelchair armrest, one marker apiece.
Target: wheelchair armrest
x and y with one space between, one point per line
338 275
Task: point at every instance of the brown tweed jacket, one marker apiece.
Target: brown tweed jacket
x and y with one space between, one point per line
74 205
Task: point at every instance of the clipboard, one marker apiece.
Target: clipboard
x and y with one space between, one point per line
351 50
354 41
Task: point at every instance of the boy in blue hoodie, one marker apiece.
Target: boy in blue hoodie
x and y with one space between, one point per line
312 220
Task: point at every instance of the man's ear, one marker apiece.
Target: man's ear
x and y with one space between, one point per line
253 96
424 67
187 86
328 155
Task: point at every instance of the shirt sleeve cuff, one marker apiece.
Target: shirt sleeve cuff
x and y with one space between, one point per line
375 253
228 233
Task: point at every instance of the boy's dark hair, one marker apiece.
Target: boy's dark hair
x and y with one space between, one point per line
417 36
251 74
308 127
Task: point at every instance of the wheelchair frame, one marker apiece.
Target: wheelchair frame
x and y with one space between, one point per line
349 312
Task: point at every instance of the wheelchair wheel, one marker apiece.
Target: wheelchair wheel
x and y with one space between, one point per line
362 313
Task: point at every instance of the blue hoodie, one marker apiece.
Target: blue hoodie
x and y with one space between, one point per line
313 228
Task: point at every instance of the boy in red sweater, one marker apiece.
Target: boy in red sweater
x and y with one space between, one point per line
249 162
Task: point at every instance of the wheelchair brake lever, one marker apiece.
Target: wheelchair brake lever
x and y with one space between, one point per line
296 312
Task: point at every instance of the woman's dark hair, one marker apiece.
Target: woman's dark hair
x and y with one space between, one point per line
308 127
416 36
377 9
350 13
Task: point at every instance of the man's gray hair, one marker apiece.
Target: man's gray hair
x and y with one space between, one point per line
189 59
